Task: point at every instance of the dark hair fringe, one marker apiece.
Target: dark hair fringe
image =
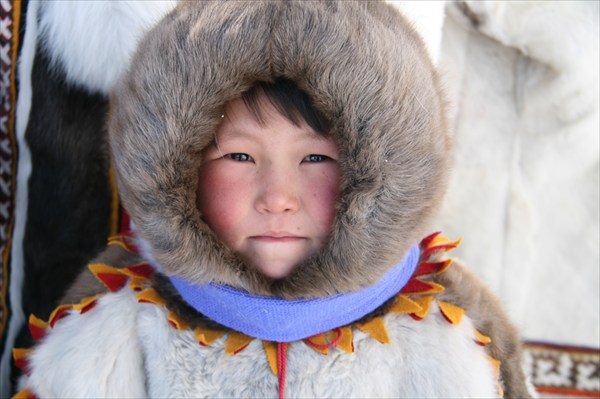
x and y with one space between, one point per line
288 100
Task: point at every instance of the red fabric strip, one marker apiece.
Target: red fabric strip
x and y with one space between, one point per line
281 365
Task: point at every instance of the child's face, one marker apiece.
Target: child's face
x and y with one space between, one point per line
269 191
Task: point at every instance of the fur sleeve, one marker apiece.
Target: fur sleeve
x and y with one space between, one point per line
95 354
465 289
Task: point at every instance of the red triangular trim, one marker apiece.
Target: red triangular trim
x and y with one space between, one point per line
427 240
415 317
142 270
37 328
430 267
59 315
429 251
416 286
114 282
22 364
125 220
88 307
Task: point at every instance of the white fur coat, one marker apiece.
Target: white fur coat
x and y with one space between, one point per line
122 348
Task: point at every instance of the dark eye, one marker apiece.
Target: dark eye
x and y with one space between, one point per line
239 157
315 158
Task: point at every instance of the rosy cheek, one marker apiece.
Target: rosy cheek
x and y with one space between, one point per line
325 187
221 200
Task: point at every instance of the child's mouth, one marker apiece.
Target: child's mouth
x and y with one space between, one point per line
277 237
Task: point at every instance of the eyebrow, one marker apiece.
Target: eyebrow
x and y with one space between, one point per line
303 132
301 137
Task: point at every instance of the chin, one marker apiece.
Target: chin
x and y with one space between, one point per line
275 271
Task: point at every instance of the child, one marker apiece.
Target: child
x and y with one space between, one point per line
280 161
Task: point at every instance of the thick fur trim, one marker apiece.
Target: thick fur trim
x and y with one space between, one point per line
485 310
365 69
139 354
427 18
92 42
110 364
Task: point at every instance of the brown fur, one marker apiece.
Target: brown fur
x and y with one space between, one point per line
87 285
465 289
367 71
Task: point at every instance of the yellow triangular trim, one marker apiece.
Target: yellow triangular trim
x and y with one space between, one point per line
441 240
206 336
177 321
452 312
85 302
319 339
97 268
271 351
20 353
346 343
496 365
482 339
333 335
150 295
236 341
405 305
57 310
24 394
119 243
425 304
435 288
123 241
137 283
376 329
39 323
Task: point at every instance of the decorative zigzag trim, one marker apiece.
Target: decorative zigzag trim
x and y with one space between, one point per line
414 299
25 394
125 241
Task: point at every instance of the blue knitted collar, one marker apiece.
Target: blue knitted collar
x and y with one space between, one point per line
279 320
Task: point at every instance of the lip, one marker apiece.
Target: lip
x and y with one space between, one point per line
276 236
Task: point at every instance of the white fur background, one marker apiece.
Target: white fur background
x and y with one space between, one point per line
524 193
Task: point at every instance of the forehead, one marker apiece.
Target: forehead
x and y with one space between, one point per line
239 122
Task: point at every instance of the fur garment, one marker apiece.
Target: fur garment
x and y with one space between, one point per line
70 56
462 288
91 43
139 354
365 69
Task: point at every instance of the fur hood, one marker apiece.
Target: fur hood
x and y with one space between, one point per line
365 69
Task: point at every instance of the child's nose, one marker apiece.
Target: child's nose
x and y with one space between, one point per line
278 193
